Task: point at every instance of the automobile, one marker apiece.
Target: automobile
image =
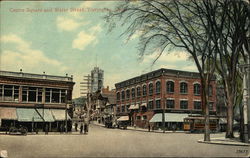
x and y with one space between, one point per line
18 131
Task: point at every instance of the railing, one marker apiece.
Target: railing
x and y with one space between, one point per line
35 76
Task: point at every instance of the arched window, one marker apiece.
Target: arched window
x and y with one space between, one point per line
123 95
158 87
183 88
144 90
127 93
133 93
197 89
138 91
118 96
150 89
170 87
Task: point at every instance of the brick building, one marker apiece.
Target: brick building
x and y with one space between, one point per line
35 100
144 98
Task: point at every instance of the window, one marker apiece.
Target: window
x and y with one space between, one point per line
123 108
210 90
133 93
128 94
138 91
118 96
16 93
55 95
32 94
150 105
8 91
123 95
1 91
197 105
63 95
144 117
127 108
118 110
158 104
184 104
197 89
158 87
183 88
40 94
170 104
138 117
150 87
170 87
24 94
144 90
48 92
211 106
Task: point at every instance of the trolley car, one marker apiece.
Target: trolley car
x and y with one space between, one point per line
197 124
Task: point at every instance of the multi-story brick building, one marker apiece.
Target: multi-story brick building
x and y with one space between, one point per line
179 92
35 100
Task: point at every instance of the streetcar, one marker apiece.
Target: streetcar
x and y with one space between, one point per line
197 124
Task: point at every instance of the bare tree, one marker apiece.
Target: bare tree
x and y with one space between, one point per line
163 25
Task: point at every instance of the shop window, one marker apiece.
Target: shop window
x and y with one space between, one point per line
158 104
170 104
170 87
138 91
144 90
158 87
184 104
197 105
183 88
128 94
197 89
150 89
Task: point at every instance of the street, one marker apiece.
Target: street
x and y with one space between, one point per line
103 142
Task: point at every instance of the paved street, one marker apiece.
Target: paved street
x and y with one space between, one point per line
103 142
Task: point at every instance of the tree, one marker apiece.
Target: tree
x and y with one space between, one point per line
166 24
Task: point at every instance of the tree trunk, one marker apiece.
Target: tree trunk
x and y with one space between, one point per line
229 131
205 110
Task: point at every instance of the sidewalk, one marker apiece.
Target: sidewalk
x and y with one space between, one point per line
220 140
225 141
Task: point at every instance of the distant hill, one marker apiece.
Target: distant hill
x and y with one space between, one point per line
79 101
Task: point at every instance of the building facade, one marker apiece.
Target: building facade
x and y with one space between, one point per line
163 90
97 76
35 101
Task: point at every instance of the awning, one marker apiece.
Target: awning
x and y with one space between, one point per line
134 106
169 117
123 118
59 114
223 121
8 113
30 115
144 104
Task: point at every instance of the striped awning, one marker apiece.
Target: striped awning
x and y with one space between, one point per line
59 114
169 117
123 118
32 115
8 113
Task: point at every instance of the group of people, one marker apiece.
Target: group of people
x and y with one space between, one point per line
83 127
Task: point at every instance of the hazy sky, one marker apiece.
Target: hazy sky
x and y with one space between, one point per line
57 40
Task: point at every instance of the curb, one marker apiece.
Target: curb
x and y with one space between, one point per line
224 142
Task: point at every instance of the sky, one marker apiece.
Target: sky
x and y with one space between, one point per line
52 37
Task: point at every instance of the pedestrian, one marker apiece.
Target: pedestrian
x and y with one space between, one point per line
76 124
61 128
81 128
46 129
148 127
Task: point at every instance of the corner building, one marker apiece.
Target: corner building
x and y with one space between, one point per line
178 93
35 101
